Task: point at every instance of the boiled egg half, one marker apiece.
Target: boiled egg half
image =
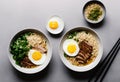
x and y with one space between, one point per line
71 47
36 57
55 25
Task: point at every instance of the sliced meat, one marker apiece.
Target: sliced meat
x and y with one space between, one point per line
81 62
85 47
41 49
84 53
27 63
79 58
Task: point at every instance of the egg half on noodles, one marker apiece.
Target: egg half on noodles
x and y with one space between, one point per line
55 25
71 47
36 57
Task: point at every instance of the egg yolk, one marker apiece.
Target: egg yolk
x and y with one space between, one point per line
53 24
36 55
71 48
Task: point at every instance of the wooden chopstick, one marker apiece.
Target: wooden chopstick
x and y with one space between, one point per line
105 62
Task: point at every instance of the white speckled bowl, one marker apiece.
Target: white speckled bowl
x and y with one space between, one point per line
36 69
86 67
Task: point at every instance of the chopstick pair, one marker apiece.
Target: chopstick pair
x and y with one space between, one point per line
106 63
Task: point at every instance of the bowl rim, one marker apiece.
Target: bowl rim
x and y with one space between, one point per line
55 33
36 69
90 2
84 68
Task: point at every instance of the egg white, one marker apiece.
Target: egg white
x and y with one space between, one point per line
60 25
38 62
65 45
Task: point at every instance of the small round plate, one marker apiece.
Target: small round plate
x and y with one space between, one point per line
60 27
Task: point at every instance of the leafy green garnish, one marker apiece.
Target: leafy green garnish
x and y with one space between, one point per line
95 14
71 35
19 48
65 55
76 40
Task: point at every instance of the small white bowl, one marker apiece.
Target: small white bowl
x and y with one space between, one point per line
38 68
86 67
103 14
60 27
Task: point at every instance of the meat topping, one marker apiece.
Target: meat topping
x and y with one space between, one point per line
84 53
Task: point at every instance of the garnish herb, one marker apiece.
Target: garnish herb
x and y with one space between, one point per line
95 14
71 35
19 48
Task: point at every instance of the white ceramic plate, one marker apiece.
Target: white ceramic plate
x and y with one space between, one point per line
60 27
